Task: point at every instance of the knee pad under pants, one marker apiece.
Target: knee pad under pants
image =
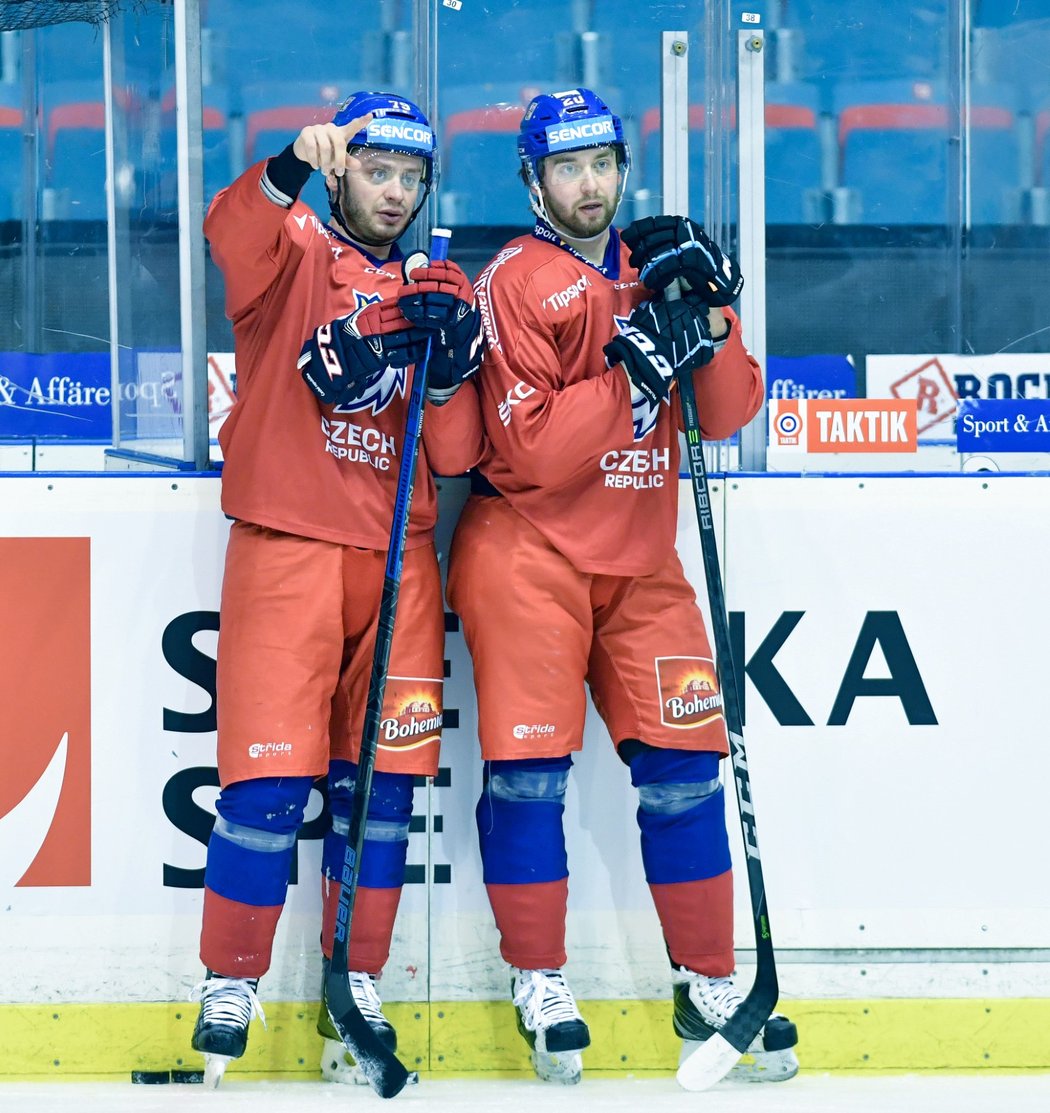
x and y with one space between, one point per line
386 829
681 813
252 843
519 820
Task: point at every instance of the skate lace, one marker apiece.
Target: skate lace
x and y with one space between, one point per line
363 988
717 997
544 999
228 1001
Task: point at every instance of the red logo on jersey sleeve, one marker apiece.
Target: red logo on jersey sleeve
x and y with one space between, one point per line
45 729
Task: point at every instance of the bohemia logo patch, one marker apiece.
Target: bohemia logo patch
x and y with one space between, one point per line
689 692
413 713
45 729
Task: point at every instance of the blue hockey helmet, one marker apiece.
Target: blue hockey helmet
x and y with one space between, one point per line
397 125
570 121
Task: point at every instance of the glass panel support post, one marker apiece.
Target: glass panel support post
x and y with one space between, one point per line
189 134
674 120
751 122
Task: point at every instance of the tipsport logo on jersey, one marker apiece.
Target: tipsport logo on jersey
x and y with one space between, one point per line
689 691
45 730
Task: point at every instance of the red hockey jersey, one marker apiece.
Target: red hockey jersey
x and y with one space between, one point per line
292 463
566 450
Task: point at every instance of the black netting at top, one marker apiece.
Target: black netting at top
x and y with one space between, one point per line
17 15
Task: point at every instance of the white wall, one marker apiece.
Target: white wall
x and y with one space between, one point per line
912 839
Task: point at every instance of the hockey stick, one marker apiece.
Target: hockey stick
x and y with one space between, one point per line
386 1073
716 1056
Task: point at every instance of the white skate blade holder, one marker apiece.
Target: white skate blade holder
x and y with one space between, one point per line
337 1065
709 1063
214 1068
562 1067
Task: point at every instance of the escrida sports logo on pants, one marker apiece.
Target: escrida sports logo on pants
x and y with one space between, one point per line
45 729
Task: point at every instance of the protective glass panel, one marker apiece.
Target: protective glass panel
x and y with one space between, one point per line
151 395
268 69
54 364
909 278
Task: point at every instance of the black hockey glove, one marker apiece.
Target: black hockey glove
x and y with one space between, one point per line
438 297
451 364
346 356
660 338
664 248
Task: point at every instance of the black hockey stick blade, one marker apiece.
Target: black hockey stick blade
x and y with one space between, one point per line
713 1059
386 1073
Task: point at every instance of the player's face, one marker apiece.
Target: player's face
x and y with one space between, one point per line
579 188
378 193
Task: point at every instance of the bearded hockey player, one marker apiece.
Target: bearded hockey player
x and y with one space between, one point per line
564 571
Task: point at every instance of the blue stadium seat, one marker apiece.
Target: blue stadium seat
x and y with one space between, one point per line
869 39
479 165
69 52
75 158
249 42
221 163
514 41
793 153
630 44
10 163
1042 147
994 13
893 152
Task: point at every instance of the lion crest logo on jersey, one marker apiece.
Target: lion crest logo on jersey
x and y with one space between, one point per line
383 390
643 412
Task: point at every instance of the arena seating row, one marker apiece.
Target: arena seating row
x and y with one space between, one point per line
838 148
884 155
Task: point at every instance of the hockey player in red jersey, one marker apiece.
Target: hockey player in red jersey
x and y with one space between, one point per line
564 572
327 330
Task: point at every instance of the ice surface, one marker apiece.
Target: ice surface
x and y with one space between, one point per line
808 1093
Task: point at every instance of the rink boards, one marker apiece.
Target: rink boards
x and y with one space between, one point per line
892 631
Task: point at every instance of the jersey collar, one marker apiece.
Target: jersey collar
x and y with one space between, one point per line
396 254
609 266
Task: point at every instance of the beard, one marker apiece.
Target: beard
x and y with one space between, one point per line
364 225
582 226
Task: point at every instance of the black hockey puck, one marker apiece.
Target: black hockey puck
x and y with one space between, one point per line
190 1076
150 1077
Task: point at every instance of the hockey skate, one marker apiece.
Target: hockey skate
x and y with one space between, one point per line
551 1024
221 1032
702 1005
337 1064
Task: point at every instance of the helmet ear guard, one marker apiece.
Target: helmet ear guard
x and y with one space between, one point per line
574 120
